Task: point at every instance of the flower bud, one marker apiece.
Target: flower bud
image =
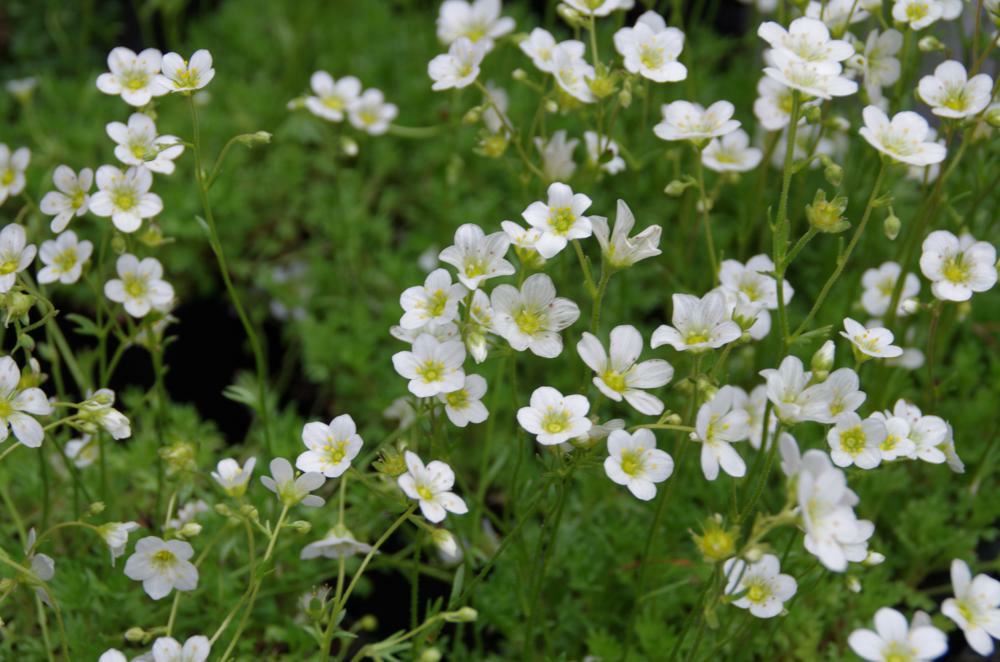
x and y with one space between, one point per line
26 341
18 304
179 456
551 107
135 635
930 44
827 216
151 235
676 188
430 655
822 360
368 623
189 530
493 145
833 173
993 117
96 508
625 96
910 306
301 526
572 17
873 558
118 244
255 138
249 512
891 225
519 74
813 114
473 115
224 510
463 615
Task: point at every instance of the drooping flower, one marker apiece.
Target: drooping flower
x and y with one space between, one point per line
557 155
619 375
339 543
532 317
619 249
115 535
572 73
72 199
12 167
63 258
162 566
331 446
698 324
553 418
133 77
140 286
957 266
764 589
125 197
233 478
431 486
635 462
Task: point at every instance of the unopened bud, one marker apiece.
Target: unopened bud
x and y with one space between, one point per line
891 225
135 635
249 512
96 508
255 138
993 117
118 244
676 188
813 114
822 360
625 96
853 584
463 615
151 235
224 510
18 304
551 107
349 146
301 526
519 74
930 44
26 341
473 115
189 530
571 16
368 623
430 655
874 558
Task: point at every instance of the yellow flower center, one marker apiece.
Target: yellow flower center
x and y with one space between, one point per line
651 57
76 200
163 559
335 450
528 321
561 219
7 177
431 371
555 421
889 443
139 151
66 260
956 269
696 337
6 409
897 652
425 493
916 11
9 265
967 612
475 32
852 441
475 267
134 287
124 199
436 303
135 80
187 77
758 591
457 399
614 380
333 102
751 290
632 463
368 117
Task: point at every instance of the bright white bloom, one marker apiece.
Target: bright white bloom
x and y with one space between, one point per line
698 324
918 14
63 258
432 366
635 462
480 324
773 106
112 655
16 254
957 266
897 443
764 589
99 409
431 486
443 332
526 238
495 115
370 113
878 63
906 138
559 221
541 47
731 153
125 197
72 198
894 640
833 532
12 167
619 249
557 155
168 649
838 394
855 441
806 40
477 256
339 543
180 75
554 419
435 302
879 284
754 404
717 426
292 490
600 7
786 389
459 67
84 451
838 14
478 21
331 99
875 342
331 446
821 79
683 120
619 376
18 407
162 566
651 52
572 72
596 153
232 477
975 607
951 93
134 77
464 405
929 435
532 317
752 282
139 286
115 535
139 145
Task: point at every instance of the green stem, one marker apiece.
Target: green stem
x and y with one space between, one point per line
706 219
780 229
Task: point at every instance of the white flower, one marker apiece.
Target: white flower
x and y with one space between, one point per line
435 302
232 477
698 324
125 197
479 325
115 535
162 566
875 342
533 317
63 258
540 46
918 14
838 394
12 167
773 106
139 145
16 254
600 7
635 462
99 409
597 148
331 99
443 332
618 248
928 433
477 256
402 411
755 404
718 425
731 153
894 640
786 389
339 543
72 198
331 446
431 486
526 238
112 655
620 376
878 63
495 115
683 120
806 40
559 221
432 366
897 442
557 155
879 284
554 419
168 649
188 513
833 532
975 607
371 113
478 21
855 441
906 138
957 266
19 406
838 14
21 88
292 490
132 76
652 53
180 75
761 586
951 93
752 282
597 432
139 286
84 451
459 67
572 72
464 405
821 79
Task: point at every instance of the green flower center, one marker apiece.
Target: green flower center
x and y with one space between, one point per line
7 177
555 421
76 200
139 151
367 117
9 265
6 409
425 493
135 80
187 77
457 399
562 219
475 32
437 303
916 11
696 337
431 371
163 559
614 380
475 266
335 450
890 443
853 441
134 287
66 260
632 463
528 321
651 57
333 102
124 199
897 652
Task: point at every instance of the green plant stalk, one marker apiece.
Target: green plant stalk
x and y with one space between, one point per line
706 218
780 228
